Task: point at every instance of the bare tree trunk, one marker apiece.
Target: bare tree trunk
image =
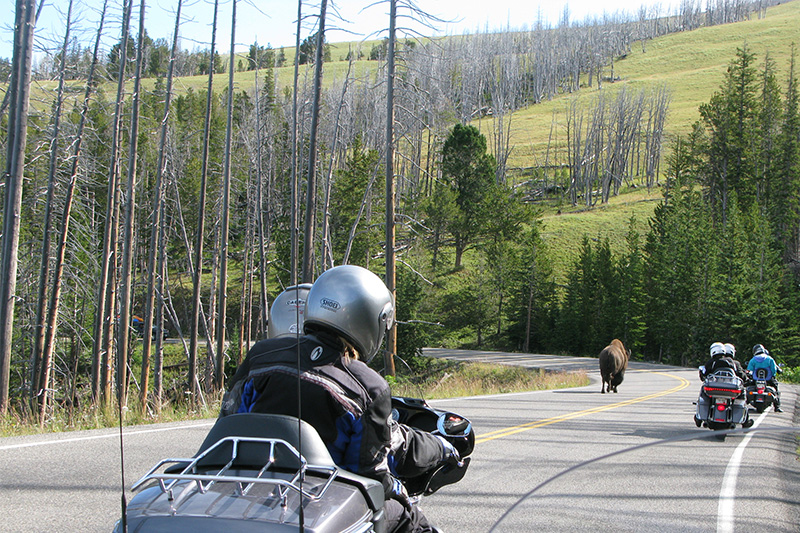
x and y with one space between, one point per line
198 250
18 131
391 339
104 317
311 195
40 360
67 211
219 374
155 242
327 248
126 281
259 207
295 180
161 272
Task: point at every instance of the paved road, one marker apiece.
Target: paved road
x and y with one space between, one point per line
532 467
530 439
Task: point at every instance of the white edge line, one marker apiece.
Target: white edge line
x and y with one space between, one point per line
95 437
727 494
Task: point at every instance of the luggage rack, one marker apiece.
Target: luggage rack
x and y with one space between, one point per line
723 383
167 481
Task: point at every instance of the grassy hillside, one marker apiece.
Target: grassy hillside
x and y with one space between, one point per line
563 233
691 65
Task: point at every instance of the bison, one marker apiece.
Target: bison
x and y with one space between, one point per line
613 362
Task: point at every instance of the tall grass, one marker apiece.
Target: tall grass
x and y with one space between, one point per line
461 379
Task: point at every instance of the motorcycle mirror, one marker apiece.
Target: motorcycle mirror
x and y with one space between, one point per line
453 425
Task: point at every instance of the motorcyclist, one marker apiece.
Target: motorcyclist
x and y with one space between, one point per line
287 312
721 356
730 351
286 318
348 310
762 359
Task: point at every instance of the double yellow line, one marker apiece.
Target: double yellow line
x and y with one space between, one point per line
577 414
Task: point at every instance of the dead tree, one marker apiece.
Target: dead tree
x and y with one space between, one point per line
104 317
197 277
45 335
311 185
219 374
126 274
17 137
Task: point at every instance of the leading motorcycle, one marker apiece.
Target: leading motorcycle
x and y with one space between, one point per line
760 394
260 472
721 404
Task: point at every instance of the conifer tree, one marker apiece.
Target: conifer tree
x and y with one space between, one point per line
785 192
676 278
632 298
470 172
731 118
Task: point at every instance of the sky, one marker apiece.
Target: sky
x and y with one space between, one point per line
273 22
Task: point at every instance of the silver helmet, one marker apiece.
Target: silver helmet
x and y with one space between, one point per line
730 349
717 349
353 302
287 312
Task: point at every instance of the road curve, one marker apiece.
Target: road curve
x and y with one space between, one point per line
551 460
545 460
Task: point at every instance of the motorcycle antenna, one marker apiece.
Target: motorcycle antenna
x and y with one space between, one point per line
300 510
123 500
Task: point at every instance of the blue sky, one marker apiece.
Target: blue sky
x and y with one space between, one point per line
273 21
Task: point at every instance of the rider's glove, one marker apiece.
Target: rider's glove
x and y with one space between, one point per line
448 450
399 493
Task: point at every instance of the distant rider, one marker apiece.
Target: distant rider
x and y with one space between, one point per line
721 357
730 351
762 359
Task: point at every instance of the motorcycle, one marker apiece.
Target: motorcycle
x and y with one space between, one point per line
721 404
261 472
759 393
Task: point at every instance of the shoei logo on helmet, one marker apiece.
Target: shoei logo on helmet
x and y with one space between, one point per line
330 305
296 303
316 353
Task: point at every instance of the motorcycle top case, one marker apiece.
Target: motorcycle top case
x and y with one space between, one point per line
723 385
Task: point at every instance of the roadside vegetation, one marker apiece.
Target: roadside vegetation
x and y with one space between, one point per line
436 379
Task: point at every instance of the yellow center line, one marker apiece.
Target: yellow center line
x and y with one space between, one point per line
577 414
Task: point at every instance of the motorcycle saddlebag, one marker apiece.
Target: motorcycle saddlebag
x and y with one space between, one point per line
702 408
739 413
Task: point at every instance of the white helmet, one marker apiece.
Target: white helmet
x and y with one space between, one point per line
354 303
730 349
287 312
717 349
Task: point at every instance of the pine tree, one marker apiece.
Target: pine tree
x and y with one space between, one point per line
785 191
731 118
677 253
469 170
632 298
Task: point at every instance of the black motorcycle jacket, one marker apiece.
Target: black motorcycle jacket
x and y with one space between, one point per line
717 363
348 403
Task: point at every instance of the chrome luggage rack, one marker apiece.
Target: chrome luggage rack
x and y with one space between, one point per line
724 383
167 481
